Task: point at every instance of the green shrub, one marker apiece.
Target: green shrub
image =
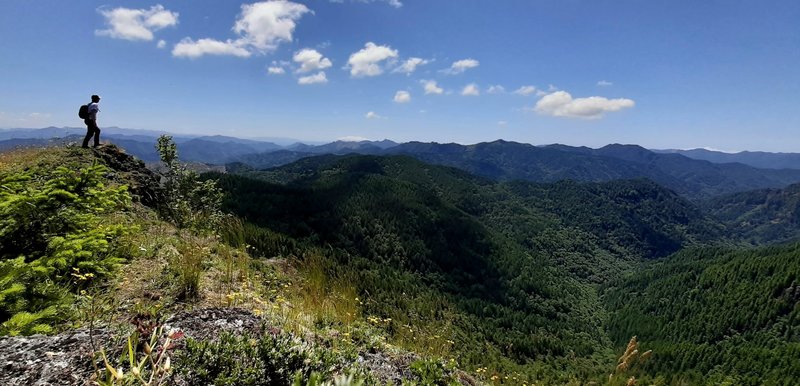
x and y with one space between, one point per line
431 372
272 359
55 241
190 202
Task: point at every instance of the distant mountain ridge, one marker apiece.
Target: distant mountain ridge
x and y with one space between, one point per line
759 159
503 160
499 160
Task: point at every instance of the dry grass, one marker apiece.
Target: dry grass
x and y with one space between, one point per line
14 160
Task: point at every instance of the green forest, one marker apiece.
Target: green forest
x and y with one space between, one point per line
501 282
542 279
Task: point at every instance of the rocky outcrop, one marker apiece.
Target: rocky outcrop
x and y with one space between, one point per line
65 359
143 183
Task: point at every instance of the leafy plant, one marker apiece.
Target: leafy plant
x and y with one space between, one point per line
190 202
275 358
431 372
151 366
52 224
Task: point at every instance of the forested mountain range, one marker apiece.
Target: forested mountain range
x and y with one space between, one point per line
759 216
540 269
543 281
499 160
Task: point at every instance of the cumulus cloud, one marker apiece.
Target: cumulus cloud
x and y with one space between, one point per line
461 66
604 83
410 65
402 97
136 24
261 27
191 49
373 115
561 104
266 24
310 60
313 79
278 68
470 90
367 61
496 89
161 44
525 90
431 87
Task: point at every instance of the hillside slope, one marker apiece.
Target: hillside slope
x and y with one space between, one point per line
716 315
760 216
515 265
91 253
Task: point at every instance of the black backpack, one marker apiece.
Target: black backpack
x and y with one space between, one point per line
83 112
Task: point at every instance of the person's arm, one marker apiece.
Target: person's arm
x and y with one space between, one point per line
93 110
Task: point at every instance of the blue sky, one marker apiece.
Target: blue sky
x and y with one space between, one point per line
663 74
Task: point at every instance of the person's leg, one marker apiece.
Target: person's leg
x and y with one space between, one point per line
96 136
89 132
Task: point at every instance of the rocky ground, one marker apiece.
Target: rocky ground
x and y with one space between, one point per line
65 359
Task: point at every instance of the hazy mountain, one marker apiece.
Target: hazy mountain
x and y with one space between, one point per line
510 160
260 146
61 132
757 159
45 133
702 178
297 151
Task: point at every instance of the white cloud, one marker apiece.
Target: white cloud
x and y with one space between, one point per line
410 65
461 66
561 104
373 115
525 90
189 48
261 28
273 70
352 138
393 3
402 97
161 44
496 89
604 83
431 87
313 79
366 62
310 60
470 90
136 24
502 123
265 25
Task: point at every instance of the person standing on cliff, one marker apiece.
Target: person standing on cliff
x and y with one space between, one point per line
91 123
